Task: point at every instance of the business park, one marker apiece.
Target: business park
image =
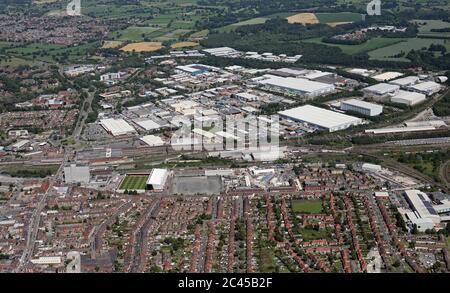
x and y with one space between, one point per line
321 118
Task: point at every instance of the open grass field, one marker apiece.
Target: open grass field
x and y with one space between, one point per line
425 27
303 18
172 35
142 47
307 206
111 44
200 34
134 182
312 234
184 45
387 52
133 33
370 45
338 18
253 21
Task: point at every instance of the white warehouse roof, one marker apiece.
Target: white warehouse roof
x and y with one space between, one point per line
117 126
405 81
428 87
152 140
382 88
158 178
408 98
323 118
364 105
147 124
298 84
387 76
422 205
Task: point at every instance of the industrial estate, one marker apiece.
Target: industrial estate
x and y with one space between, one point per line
206 136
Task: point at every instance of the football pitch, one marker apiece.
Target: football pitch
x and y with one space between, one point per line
134 182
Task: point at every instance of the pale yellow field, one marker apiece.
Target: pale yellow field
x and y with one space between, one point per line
335 24
142 47
111 44
183 45
303 18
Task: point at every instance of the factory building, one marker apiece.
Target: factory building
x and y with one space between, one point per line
405 81
364 108
408 98
385 76
76 174
117 127
423 213
152 140
192 69
157 179
381 90
427 88
296 86
321 118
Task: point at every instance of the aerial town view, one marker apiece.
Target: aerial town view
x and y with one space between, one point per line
224 136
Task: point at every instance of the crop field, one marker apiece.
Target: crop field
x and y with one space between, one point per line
184 45
387 52
142 47
303 18
134 182
307 206
370 45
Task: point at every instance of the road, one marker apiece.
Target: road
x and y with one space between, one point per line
36 217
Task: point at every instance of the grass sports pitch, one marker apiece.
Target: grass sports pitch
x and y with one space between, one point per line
134 182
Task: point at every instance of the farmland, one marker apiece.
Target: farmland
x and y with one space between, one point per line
134 182
385 53
142 47
184 45
426 27
303 18
370 45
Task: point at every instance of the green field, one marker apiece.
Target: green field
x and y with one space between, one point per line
253 21
338 17
370 45
307 206
312 234
425 27
133 33
386 53
134 182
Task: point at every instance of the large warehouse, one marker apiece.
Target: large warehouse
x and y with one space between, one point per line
427 88
423 213
297 86
408 98
381 90
321 118
157 179
365 108
117 127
